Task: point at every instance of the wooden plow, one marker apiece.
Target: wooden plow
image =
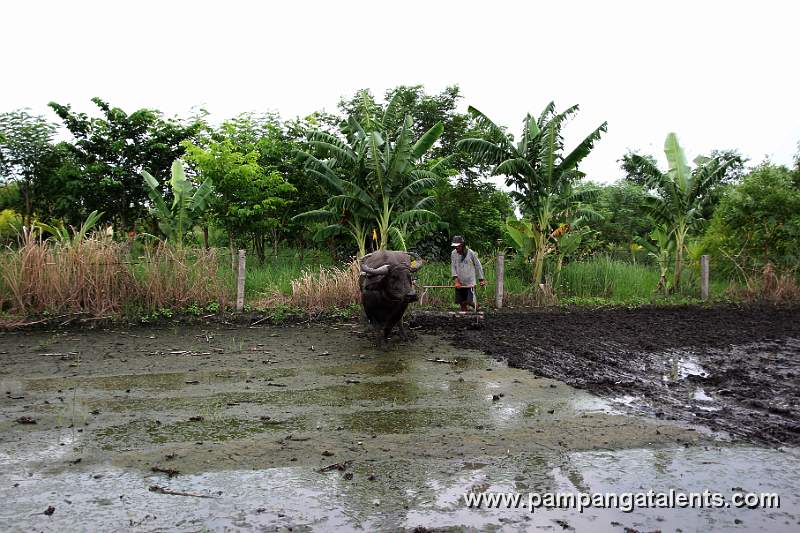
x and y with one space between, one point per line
474 315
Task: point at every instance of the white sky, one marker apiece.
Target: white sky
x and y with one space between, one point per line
720 74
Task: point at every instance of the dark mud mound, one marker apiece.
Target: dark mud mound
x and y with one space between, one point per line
729 368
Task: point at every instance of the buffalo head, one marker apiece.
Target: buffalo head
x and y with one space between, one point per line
391 273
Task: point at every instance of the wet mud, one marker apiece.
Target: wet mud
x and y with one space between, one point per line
731 369
311 428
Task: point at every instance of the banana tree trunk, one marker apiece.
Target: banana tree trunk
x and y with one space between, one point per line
663 267
558 271
680 237
383 225
538 263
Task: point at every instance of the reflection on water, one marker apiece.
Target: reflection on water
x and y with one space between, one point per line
156 381
683 364
389 495
13 454
142 432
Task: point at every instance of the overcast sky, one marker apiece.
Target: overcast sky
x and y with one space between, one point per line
720 74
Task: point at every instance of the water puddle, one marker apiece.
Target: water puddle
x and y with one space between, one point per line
406 420
405 434
156 381
682 365
147 432
391 495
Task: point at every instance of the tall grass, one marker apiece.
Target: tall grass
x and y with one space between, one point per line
767 284
604 277
328 288
177 278
96 277
274 274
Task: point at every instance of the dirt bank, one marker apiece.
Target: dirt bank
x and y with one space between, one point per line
729 368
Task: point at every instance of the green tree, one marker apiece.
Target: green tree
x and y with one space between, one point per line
643 170
426 110
681 195
758 221
60 190
474 209
250 197
620 206
112 151
541 174
375 176
309 193
25 144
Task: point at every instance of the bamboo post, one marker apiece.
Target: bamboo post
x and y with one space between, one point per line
704 277
499 274
240 282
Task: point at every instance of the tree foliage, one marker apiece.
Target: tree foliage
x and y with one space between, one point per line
758 222
540 172
25 144
188 203
250 197
473 209
620 207
681 196
112 150
374 174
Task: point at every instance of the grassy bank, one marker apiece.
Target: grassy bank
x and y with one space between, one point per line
102 278
599 280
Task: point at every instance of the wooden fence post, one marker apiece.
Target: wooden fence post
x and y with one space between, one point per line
240 282
499 272
704 277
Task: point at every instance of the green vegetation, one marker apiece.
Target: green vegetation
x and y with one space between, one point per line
541 174
81 219
374 177
681 195
188 203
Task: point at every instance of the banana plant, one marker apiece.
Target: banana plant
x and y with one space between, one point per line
521 236
682 195
660 246
567 243
375 177
188 204
539 170
71 238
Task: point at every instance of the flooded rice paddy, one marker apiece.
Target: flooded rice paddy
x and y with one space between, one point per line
310 428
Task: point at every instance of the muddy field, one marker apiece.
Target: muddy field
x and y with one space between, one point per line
732 369
309 427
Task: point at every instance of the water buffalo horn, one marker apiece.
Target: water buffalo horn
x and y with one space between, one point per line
375 271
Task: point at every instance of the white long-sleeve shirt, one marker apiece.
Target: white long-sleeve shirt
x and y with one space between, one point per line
467 268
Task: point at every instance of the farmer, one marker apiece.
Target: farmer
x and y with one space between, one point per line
465 267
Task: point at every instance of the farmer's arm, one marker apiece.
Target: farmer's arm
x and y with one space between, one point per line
478 268
454 270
